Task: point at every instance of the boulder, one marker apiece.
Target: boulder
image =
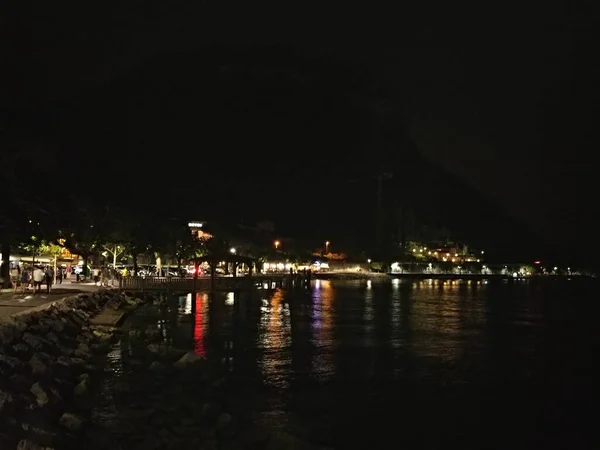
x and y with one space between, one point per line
82 351
35 342
26 444
8 334
6 404
20 382
38 427
21 350
11 362
70 421
84 377
41 396
284 441
211 411
57 325
81 388
53 338
156 366
254 437
166 351
190 358
40 363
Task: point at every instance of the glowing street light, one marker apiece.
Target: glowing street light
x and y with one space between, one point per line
277 243
327 246
369 260
232 250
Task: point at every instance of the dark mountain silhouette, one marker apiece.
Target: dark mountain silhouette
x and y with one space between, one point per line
271 130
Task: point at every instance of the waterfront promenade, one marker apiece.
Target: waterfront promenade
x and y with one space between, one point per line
11 302
350 275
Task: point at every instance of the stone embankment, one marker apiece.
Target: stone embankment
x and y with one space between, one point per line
48 358
55 369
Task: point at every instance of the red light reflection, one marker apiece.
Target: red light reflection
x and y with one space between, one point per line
199 328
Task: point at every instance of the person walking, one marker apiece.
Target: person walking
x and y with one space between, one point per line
15 277
25 280
38 279
49 277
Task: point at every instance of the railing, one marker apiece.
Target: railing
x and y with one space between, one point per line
205 283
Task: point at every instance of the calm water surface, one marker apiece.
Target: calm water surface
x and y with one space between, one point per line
411 364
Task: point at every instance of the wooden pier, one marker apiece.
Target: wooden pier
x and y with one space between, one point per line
222 283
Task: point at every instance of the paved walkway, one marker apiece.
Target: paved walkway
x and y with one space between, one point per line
11 303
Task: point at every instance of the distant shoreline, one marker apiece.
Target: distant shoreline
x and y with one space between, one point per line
422 276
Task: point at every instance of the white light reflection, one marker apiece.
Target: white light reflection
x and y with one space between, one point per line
275 341
187 309
437 317
396 337
368 315
230 299
318 284
322 326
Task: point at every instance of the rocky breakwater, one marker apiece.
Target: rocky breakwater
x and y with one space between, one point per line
159 396
49 357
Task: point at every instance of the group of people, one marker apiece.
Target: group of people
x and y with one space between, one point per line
34 277
25 277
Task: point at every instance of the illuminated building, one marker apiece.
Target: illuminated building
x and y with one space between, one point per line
197 229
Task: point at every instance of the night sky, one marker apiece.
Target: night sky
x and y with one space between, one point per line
277 98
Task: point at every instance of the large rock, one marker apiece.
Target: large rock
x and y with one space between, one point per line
57 325
42 326
254 437
35 342
71 421
38 427
6 404
11 362
284 441
82 351
166 351
20 382
40 363
53 338
21 350
41 396
156 366
81 388
26 444
189 359
8 334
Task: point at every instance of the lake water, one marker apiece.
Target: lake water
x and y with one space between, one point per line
409 364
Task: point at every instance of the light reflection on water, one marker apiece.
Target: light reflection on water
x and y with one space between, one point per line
448 352
200 324
275 341
322 330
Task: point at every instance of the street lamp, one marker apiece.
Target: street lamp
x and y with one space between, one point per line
232 250
369 260
276 244
327 246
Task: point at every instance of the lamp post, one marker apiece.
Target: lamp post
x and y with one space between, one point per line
327 246
277 244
